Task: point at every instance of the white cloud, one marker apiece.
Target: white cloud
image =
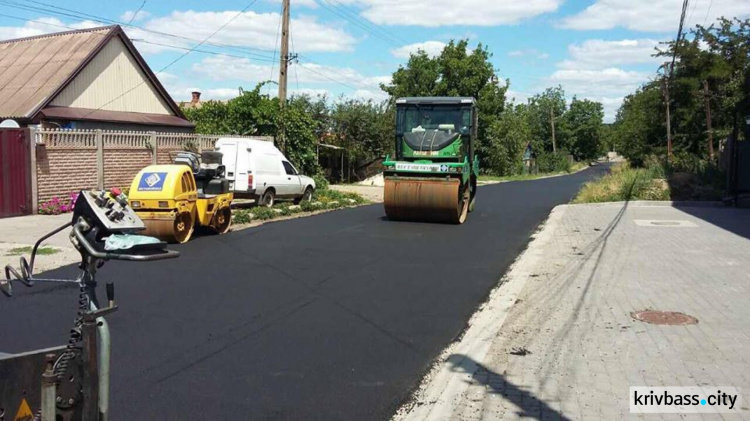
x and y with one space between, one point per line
432 48
607 86
224 68
529 52
165 77
517 96
41 26
253 30
436 13
367 94
598 54
597 82
653 16
132 16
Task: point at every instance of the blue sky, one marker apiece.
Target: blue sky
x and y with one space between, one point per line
597 49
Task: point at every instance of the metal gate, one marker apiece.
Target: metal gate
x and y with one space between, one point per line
15 173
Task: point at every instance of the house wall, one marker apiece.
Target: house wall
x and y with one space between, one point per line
113 81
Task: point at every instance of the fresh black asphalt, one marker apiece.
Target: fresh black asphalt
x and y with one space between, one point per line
335 316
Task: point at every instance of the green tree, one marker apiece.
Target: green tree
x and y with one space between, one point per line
457 71
364 128
542 108
419 77
506 141
582 124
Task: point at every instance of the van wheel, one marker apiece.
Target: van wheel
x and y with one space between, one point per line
306 196
268 199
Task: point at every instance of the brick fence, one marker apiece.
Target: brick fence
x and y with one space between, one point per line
71 160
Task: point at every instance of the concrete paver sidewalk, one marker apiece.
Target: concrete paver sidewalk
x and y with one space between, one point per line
557 341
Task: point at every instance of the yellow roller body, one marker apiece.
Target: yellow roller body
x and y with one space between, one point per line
425 200
165 197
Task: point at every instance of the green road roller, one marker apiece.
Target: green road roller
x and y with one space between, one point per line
433 175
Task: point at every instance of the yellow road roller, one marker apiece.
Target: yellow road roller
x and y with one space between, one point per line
173 200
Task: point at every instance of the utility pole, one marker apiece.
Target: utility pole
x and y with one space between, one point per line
552 123
665 89
283 64
707 99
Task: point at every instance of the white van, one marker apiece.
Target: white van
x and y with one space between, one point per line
256 168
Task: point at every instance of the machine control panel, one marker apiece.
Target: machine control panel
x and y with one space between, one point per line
111 210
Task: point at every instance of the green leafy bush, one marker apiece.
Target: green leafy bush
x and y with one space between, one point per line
549 162
321 183
242 216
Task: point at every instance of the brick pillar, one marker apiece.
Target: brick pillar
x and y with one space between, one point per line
99 160
34 171
154 148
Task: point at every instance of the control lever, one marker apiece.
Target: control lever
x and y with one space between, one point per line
111 293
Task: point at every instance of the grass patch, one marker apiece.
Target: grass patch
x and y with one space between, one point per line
323 199
44 251
625 183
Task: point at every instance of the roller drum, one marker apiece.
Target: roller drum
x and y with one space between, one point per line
426 200
178 229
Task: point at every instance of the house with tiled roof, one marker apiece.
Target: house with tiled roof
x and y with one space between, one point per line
84 79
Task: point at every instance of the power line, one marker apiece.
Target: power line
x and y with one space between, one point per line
199 51
691 13
136 12
707 12
275 48
71 13
344 75
329 78
144 41
362 26
679 35
370 24
294 54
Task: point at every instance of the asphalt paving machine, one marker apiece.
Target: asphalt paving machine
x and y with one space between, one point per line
172 200
71 382
433 175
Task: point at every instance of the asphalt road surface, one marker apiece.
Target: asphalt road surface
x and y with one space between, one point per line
335 316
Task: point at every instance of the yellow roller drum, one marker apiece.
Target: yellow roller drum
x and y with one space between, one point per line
170 227
425 200
222 220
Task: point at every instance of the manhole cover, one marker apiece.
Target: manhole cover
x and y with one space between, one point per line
672 318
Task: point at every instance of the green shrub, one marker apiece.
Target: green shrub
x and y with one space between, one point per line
263 213
550 162
321 183
323 199
241 216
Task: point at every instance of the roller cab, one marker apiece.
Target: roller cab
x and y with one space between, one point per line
173 200
432 176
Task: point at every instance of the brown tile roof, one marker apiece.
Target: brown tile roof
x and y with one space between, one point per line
34 70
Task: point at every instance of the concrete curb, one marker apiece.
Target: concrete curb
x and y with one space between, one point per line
647 203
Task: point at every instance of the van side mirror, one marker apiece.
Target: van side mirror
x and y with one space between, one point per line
249 149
